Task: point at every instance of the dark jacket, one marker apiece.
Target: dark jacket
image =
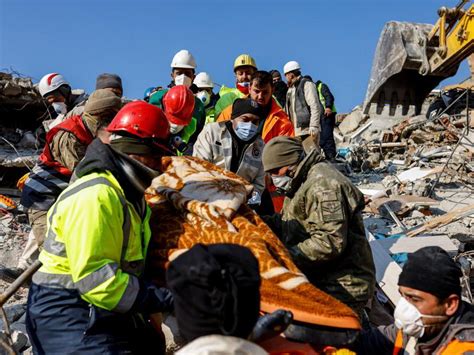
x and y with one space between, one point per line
280 92
327 94
381 340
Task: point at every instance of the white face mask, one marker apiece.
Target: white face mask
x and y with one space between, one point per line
175 128
183 80
408 319
204 97
281 182
59 107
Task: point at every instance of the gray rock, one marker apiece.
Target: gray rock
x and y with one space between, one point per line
351 122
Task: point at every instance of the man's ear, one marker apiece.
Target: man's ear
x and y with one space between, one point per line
451 304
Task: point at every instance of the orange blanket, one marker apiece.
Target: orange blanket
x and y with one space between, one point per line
196 202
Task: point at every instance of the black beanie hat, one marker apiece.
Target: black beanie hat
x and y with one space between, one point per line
106 80
243 106
216 290
431 270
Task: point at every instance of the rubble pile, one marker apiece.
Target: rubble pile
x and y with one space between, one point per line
417 175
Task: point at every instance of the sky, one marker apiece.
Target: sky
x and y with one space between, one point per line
333 40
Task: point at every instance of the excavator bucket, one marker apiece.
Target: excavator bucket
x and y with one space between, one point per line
398 82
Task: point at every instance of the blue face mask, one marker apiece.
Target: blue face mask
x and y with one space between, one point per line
246 130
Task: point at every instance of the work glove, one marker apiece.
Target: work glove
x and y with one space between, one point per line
151 299
271 325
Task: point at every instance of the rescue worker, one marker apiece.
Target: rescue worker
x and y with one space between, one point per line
57 92
244 67
328 120
204 83
280 87
65 146
275 124
430 317
178 106
224 282
89 296
321 222
235 145
111 82
302 103
183 66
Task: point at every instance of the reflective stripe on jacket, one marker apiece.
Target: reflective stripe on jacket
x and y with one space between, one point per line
96 243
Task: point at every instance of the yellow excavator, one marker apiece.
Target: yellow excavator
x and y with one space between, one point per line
411 59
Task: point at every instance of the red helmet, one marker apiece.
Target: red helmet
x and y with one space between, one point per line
142 120
178 104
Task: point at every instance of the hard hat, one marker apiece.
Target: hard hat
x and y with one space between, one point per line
243 60
148 92
142 120
178 104
183 59
51 82
203 81
290 66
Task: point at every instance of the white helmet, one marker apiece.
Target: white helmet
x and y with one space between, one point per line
183 59
203 81
290 66
51 82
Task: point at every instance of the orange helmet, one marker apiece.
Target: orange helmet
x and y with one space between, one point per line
178 104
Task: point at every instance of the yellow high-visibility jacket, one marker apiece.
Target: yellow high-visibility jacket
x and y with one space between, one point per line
96 243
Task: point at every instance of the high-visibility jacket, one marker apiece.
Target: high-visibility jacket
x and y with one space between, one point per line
96 243
227 98
322 99
49 177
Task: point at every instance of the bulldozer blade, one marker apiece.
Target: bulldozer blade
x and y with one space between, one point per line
400 78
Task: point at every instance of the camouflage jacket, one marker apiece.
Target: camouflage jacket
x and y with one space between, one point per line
321 225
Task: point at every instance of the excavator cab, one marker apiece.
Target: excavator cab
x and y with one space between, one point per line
411 59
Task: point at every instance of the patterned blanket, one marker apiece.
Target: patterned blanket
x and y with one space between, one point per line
196 202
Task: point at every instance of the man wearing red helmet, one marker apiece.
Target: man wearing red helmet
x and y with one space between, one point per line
65 146
90 295
178 104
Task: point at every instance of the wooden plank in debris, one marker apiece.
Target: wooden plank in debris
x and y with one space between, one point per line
441 220
410 245
387 270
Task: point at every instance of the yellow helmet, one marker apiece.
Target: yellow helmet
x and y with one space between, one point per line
244 59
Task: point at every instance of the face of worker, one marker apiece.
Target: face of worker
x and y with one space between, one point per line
244 73
55 97
276 79
180 71
246 117
428 304
290 78
261 94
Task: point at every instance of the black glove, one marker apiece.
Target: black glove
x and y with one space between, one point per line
271 325
151 299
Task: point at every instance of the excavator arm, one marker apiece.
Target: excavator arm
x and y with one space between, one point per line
412 59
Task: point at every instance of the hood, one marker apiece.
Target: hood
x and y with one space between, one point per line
311 158
133 176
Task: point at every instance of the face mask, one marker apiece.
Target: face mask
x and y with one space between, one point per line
246 130
408 319
60 108
183 80
204 97
281 182
175 128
